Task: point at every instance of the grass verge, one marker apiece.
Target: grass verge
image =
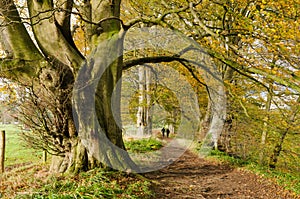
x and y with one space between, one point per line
290 181
36 183
143 145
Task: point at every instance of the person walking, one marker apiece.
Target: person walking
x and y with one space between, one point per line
168 132
163 130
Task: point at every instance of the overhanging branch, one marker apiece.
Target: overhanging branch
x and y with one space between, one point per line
161 59
252 70
156 59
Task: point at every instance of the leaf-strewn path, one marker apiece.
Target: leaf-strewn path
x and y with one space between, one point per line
193 177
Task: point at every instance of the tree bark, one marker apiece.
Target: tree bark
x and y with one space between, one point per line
97 102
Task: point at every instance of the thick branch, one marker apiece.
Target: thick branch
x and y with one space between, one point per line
160 59
63 19
15 35
157 59
50 37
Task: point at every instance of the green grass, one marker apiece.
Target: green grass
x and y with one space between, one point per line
35 182
235 161
143 145
91 185
16 151
291 181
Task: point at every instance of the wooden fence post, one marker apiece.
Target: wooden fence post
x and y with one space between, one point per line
44 156
2 151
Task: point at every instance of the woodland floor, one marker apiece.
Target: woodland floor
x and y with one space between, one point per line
193 177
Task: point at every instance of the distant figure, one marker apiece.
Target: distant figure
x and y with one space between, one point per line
168 132
163 130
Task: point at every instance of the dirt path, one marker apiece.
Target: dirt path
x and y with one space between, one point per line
193 177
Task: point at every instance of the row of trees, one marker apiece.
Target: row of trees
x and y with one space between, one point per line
68 53
255 47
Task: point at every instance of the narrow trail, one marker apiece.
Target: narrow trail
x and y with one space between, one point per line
197 178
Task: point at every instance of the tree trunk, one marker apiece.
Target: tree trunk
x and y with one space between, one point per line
224 142
96 101
277 150
144 116
75 161
148 102
205 123
264 136
76 157
141 114
278 147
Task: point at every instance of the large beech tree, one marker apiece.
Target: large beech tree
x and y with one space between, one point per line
39 52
